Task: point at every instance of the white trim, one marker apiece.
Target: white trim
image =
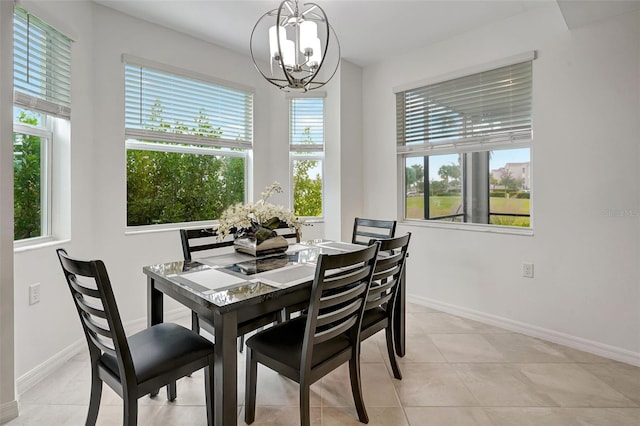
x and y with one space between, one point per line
136 60
487 66
579 343
41 371
8 411
140 134
197 150
467 226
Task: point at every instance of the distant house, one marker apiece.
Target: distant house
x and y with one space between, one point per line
519 171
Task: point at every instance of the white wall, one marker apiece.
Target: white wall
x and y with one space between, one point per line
49 327
8 404
586 110
49 331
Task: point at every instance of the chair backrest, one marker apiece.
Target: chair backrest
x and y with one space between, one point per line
93 296
338 297
195 240
366 229
203 239
389 271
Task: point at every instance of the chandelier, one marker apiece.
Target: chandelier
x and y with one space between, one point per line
299 41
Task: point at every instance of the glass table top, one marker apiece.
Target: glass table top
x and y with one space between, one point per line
236 277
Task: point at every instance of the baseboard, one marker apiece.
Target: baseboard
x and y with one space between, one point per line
596 348
8 411
37 374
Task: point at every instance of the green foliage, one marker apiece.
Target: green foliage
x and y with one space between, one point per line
169 187
176 187
26 182
307 190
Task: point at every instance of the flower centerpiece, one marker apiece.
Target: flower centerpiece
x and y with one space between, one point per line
253 224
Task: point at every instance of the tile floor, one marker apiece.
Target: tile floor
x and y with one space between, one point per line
456 372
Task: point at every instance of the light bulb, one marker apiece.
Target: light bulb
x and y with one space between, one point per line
308 33
273 40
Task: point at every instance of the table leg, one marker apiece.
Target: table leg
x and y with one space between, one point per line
399 317
225 369
155 307
155 314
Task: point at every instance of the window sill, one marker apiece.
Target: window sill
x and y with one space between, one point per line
21 247
474 227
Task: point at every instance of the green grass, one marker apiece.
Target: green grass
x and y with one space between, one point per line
447 205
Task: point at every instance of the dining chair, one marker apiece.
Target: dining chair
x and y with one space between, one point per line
205 240
137 365
308 347
380 307
366 229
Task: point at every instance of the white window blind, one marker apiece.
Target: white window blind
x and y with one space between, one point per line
306 121
163 106
42 66
487 108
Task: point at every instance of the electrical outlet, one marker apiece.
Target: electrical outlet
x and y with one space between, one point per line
34 293
527 270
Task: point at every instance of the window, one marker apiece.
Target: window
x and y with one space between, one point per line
42 96
306 137
464 145
187 140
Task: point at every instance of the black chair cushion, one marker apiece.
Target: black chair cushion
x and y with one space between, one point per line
162 348
372 316
283 342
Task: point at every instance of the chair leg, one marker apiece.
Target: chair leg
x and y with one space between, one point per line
305 415
208 385
130 411
172 391
94 401
195 322
250 388
356 387
392 353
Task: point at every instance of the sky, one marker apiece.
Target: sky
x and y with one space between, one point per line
498 159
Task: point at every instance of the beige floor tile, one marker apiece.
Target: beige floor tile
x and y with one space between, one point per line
370 351
456 372
419 348
42 414
570 385
414 307
516 347
273 389
447 416
281 416
425 385
528 416
176 415
501 385
439 322
622 377
377 387
378 416
466 348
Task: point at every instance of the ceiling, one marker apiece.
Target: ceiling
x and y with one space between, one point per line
368 30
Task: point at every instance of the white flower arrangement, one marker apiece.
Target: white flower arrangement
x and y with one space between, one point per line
257 219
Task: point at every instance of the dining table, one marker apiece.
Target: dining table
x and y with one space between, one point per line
234 291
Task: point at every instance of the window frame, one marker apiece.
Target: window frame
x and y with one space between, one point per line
45 133
311 152
140 139
463 148
42 57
